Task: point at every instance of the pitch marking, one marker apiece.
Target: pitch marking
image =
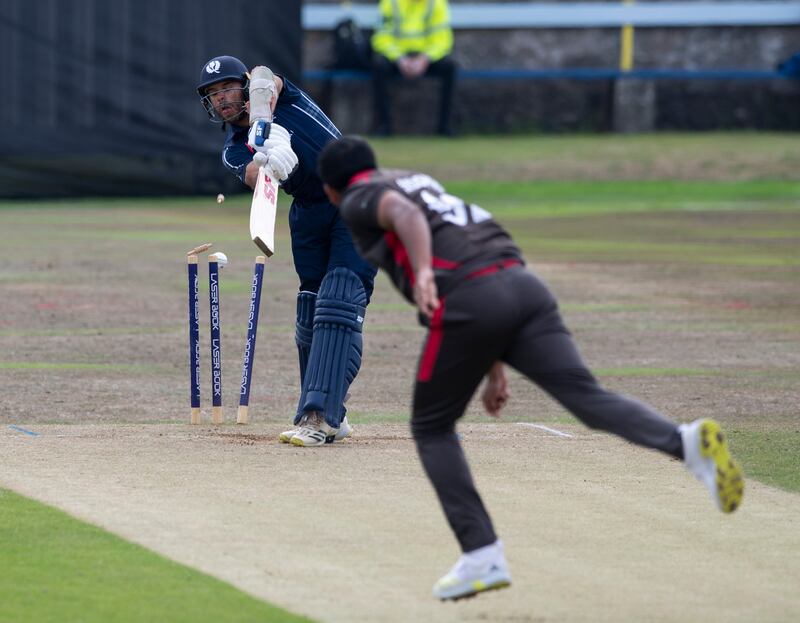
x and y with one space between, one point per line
23 430
552 431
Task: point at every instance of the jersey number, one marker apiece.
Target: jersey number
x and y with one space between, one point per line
454 210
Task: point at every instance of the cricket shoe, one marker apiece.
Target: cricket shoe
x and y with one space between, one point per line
344 431
482 570
317 432
344 427
706 454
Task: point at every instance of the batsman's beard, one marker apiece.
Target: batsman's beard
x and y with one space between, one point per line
236 116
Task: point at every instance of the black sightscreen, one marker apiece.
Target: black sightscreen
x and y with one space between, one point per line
98 96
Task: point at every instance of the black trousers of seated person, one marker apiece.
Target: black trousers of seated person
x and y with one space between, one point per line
384 70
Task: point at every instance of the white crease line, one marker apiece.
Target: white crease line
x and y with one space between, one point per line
552 431
20 429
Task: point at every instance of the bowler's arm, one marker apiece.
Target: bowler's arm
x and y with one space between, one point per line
495 392
399 215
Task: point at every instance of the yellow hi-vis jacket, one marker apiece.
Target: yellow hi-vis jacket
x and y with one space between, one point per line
413 26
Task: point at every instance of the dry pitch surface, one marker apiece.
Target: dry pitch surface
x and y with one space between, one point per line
595 529
94 354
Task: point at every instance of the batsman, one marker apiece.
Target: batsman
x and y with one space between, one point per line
335 282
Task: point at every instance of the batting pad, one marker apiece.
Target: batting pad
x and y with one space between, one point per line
304 328
335 356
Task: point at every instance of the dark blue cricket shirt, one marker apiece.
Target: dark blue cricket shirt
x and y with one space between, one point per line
310 130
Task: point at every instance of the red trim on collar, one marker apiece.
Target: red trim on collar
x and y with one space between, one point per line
359 177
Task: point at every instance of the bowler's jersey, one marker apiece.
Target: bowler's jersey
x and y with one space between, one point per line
310 130
465 237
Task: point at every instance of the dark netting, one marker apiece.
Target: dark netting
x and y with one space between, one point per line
98 96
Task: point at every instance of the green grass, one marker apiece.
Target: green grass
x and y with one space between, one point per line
380 417
530 199
56 568
624 251
51 365
736 153
607 308
772 457
725 204
94 331
636 372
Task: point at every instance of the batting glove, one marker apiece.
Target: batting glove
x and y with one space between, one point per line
263 135
280 160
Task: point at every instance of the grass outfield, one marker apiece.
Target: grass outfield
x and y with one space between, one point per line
725 205
56 568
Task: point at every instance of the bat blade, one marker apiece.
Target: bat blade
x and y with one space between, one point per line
265 195
262 212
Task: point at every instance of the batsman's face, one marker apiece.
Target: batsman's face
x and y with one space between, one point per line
227 98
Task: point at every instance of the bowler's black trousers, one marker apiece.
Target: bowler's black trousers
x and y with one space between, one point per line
508 314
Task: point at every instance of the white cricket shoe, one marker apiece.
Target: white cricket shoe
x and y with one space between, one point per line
484 569
315 431
286 436
344 427
706 455
344 430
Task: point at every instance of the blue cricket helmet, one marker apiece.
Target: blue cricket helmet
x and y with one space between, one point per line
220 69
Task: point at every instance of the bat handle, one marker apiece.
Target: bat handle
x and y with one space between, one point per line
262 91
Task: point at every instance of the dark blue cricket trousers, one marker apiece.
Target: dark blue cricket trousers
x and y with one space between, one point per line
322 242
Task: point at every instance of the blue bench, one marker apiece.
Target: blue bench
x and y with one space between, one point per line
347 75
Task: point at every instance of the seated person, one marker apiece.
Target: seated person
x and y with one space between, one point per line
414 39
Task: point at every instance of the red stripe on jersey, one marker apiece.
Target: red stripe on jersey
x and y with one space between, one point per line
432 346
493 268
440 262
400 255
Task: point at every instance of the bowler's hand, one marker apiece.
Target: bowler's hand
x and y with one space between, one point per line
426 295
495 392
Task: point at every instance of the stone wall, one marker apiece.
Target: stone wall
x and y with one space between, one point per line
569 105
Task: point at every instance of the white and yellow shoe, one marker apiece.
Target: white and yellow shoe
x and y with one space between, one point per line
315 431
286 436
706 454
481 570
344 431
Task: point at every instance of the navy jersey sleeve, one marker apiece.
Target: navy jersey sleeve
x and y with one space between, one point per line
236 155
311 130
236 158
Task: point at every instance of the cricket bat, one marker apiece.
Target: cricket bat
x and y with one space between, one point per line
265 194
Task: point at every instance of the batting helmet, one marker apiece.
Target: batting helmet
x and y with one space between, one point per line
220 69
